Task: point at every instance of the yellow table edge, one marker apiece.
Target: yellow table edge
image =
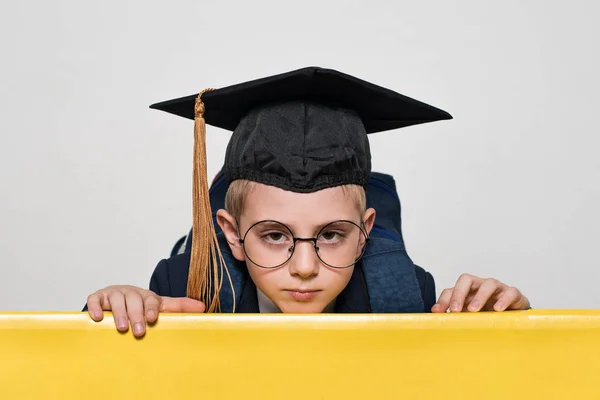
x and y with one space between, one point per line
531 319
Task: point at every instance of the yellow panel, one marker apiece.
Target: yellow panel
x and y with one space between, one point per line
529 355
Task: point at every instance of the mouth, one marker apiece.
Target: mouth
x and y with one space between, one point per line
302 294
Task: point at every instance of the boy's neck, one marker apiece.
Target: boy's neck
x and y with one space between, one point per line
266 305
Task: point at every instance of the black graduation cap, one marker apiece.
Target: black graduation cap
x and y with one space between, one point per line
302 131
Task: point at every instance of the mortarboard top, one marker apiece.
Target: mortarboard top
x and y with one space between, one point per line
302 131
380 109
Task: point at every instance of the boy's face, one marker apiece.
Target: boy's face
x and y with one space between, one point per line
303 284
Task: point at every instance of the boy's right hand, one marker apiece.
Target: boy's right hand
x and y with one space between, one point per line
135 306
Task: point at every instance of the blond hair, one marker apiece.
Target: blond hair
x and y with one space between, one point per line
235 198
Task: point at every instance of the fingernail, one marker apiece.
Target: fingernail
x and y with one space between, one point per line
97 314
454 306
138 329
499 306
474 305
122 323
151 314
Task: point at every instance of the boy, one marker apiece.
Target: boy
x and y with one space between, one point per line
296 235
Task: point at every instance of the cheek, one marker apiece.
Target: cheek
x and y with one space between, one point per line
267 280
337 279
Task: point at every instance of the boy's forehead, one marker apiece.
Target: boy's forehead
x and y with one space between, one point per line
264 202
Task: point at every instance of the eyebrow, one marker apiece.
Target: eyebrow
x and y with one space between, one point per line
316 227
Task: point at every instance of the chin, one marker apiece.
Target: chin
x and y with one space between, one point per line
302 308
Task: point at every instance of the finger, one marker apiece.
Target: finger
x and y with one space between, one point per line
443 302
468 301
512 299
488 288
438 308
464 285
116 300
151 306
94 305
181 305
135 312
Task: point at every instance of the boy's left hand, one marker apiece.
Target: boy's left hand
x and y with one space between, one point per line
472 293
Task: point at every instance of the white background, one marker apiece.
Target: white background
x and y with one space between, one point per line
95 186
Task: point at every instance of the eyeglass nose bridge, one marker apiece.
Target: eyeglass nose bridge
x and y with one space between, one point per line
313 240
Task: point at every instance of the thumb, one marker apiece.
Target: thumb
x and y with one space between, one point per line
181 305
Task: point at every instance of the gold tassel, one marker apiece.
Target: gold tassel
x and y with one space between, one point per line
204 283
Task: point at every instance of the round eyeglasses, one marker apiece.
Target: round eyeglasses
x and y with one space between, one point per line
271 244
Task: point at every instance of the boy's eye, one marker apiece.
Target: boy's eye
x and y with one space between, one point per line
330 236
275 237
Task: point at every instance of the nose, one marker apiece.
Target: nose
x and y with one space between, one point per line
304 262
